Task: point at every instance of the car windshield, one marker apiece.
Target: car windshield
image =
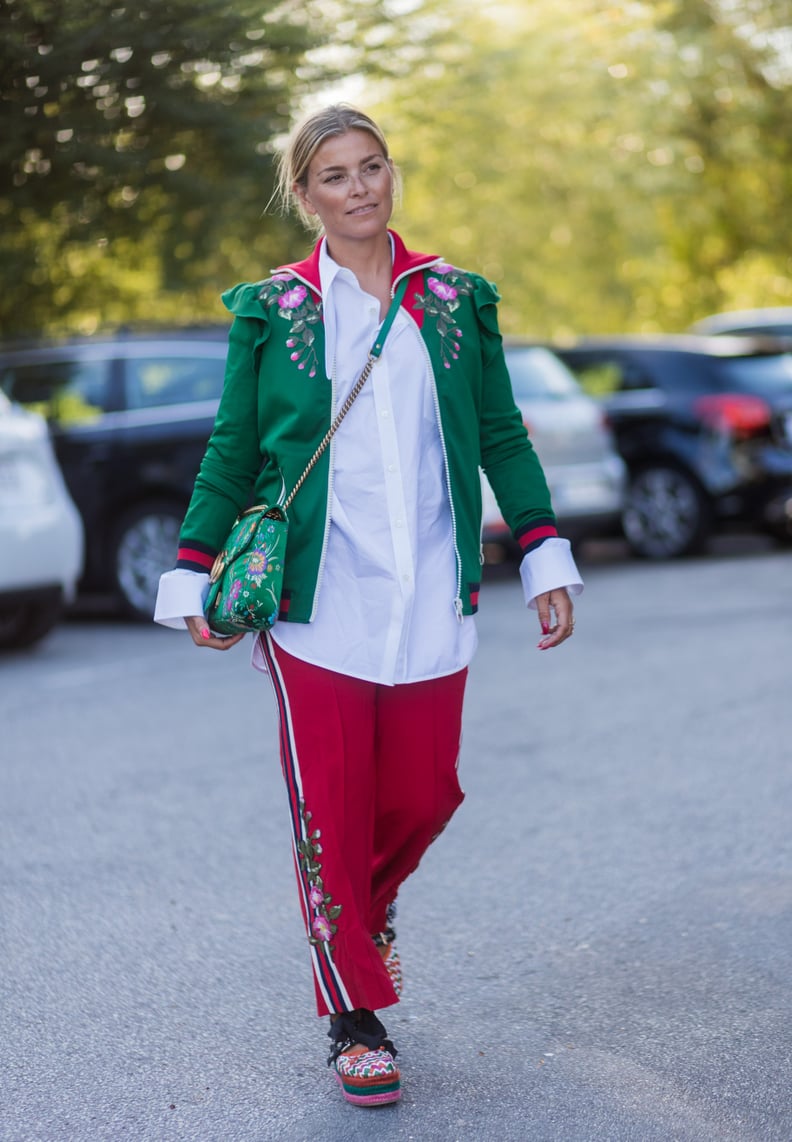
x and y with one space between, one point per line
536 373
66 392
768 374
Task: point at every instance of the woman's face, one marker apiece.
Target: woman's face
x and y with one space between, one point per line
350 187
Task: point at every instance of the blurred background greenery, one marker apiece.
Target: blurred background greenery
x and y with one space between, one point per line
622 166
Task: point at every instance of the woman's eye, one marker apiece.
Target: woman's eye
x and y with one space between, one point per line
374 166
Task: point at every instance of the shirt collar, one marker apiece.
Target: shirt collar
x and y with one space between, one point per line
329 269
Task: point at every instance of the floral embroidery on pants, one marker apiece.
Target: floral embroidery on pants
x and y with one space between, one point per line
323 913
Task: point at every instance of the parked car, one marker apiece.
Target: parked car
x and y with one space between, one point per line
585 474
774 321
705 426
129 420
41 537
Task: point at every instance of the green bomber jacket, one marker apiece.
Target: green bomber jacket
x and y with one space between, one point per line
277 404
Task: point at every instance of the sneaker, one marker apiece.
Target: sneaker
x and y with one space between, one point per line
363 1059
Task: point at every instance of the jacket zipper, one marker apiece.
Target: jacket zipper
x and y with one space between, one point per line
331 451
446 465
326 537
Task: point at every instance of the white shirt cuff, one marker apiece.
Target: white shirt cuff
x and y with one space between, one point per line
180 593
547 568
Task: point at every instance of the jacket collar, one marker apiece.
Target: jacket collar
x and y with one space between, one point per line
404 262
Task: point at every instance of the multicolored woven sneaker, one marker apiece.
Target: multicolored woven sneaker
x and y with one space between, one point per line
370 1078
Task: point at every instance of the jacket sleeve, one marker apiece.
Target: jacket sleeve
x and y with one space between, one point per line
233 457
507 455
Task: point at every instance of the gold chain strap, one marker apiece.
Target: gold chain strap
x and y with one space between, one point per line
364 376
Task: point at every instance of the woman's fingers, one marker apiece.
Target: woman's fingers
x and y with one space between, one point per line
556 618
202 635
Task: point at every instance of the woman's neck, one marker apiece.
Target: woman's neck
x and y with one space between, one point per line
370 261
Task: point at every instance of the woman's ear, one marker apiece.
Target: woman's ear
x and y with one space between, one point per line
301 194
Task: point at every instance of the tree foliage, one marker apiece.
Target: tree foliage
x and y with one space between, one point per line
136 145
124 132
621 166
614 166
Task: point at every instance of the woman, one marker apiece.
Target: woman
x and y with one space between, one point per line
369 657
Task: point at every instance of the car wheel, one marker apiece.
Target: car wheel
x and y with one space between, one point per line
665 514
29 621
778 518
145 545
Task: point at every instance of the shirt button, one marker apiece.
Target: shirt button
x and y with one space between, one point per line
384 414
400 523
406 578
391 467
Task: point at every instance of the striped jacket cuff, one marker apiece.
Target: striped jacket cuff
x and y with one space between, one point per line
194 556
535 533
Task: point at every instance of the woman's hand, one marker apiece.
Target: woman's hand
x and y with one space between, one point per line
202 636
555 617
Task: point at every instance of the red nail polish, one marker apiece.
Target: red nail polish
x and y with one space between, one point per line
545 628
205 633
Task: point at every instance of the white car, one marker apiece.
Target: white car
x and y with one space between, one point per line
586 476
41 534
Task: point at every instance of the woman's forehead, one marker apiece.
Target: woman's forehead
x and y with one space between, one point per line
351 148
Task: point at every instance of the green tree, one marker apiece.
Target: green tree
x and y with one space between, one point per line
136 144
125 130
733 78
621 166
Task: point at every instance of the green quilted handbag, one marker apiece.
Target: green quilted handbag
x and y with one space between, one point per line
246 579
247 576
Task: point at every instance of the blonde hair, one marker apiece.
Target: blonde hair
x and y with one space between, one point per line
303 143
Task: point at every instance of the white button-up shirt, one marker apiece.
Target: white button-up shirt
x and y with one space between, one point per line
385 610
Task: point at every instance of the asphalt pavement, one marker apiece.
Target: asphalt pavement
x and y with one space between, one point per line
596 950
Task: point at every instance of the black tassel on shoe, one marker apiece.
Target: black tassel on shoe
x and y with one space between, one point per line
361 1026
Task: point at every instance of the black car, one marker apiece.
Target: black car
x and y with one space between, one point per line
705 427
129 417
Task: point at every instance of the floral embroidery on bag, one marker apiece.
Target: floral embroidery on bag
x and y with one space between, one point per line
446 286
323 911
296 305
260 561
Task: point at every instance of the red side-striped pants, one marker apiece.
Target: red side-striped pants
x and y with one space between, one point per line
371 776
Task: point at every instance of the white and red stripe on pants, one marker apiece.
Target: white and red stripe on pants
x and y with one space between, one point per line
371 776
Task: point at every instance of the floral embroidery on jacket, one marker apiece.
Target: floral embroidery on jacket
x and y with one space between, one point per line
323 913
295 304
446 286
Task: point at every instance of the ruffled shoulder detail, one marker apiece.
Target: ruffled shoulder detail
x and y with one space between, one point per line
244 300
485 299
